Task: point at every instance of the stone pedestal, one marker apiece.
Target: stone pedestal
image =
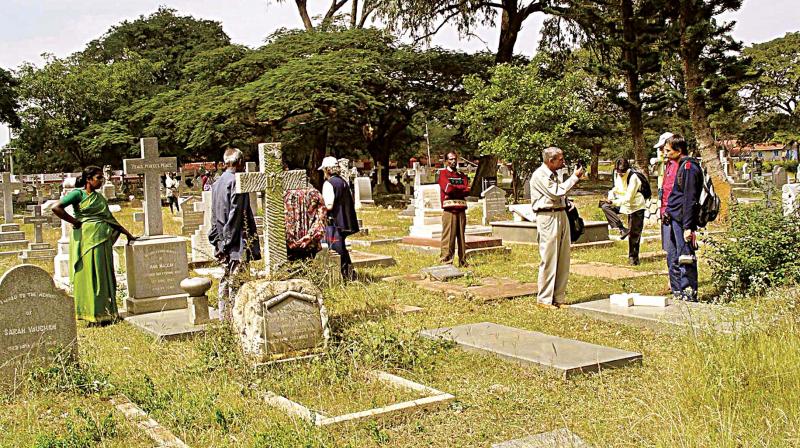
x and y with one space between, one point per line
155 267
37 251
197 287
12 239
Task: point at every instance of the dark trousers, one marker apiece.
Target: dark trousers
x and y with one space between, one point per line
454 224
635 224
682 277
173 200
336 242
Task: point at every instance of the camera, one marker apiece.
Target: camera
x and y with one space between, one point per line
687 259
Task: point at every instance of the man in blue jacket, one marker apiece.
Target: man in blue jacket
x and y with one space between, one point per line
682 210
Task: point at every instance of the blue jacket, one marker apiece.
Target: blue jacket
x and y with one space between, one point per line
683 205
233 226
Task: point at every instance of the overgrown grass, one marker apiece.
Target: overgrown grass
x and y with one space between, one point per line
703 389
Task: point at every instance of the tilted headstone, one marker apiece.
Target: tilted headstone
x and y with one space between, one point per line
280 320
37 321
270 181
155 264
494 204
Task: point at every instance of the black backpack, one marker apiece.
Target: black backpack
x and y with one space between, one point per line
645 184
576 224
709 202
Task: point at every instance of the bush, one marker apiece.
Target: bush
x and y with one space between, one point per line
759 251
789 165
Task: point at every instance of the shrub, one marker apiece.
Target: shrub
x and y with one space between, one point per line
87 432
760 250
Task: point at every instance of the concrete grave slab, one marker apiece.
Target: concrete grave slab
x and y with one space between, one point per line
168 325
471 241
435 398
525 231
365 259
560 438
378 242
491 288
561 356
677 314
442 273
406 309
607 270
162 436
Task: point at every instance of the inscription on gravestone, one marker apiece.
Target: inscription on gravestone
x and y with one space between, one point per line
37 320
292 323
494 204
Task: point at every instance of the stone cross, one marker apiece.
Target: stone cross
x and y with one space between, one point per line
270 181
8 190
152 166
37 220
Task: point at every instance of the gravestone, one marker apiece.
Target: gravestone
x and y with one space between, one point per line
494 204
61 260
278 320
8 187
192 220
109 191
252 167
270 181
363 192
155 263
779 177
202 250
791 198
442 273
564 357
560 438
38 249
37 321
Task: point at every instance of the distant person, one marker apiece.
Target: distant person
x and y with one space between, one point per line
342 218
659 162
171 184
680 211
548 202
95 230
626 198
453 188
233 232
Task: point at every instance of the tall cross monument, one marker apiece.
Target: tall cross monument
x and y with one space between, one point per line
152 165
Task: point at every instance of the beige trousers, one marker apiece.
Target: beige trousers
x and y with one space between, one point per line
553 229
453 226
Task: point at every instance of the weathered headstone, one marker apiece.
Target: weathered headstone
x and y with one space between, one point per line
270 181
779 177
363 192
37 321
494 204
560 438
156 263
280 320
38 249
442 273
109 191
8 187
565 357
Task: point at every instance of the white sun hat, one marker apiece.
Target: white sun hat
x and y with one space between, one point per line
663 139
329 162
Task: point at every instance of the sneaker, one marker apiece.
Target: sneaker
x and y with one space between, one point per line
633 261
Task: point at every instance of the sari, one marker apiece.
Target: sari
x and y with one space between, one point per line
91 257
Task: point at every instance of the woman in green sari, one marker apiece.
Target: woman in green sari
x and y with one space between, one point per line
91 248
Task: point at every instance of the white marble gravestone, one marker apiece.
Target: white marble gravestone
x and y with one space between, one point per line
109 191
427 211
363 192
61 260
38 249
8 187
202 250
494 204
791 198
156 263
37 321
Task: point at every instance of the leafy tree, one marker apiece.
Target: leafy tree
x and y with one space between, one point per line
163 37
8 99
357 18
520 111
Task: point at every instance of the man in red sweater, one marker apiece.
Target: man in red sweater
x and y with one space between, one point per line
454 187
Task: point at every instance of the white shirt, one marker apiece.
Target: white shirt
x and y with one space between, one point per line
328 195
547 191
626 195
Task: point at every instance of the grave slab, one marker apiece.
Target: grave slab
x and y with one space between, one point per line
607 270
168 325
471 241
365 259
525 231
560 438
442 273
563 357
491 289
678 313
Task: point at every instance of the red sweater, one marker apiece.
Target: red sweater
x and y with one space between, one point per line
453 192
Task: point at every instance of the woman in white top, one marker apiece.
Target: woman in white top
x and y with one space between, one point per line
172 192
626 198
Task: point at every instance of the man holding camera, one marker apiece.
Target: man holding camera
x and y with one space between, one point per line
680 207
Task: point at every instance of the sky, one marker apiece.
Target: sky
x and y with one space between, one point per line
29 28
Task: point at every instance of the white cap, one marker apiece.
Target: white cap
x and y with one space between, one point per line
663 139
329 162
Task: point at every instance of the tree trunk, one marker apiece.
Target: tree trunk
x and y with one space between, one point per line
510 26
693 79
630 56
594 170
301 8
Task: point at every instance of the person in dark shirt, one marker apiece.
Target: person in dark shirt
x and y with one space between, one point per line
680 215
342 219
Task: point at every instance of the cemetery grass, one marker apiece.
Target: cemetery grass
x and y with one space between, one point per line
692 389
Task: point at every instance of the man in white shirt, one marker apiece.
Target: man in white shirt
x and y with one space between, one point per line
548 202
626 198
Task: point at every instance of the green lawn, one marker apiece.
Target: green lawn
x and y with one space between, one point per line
692 389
